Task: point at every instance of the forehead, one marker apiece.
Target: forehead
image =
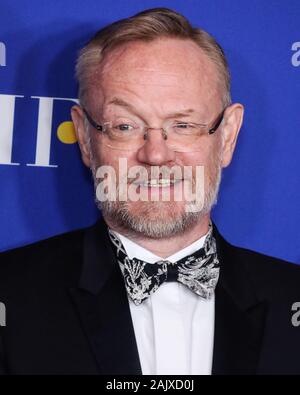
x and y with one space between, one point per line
171 68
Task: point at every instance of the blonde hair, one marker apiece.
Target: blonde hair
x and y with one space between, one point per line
147 26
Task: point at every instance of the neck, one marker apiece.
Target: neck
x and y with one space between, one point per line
168 246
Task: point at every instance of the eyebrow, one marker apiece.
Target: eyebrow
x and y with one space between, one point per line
122 103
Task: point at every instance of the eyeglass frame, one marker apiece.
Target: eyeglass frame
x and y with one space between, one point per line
211 130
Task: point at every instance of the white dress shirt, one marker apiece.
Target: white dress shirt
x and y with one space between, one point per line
174 328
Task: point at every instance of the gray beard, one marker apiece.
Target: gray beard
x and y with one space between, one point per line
118 214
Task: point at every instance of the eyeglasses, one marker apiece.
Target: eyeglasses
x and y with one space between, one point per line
131 136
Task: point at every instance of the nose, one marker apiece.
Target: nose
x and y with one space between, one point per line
155 151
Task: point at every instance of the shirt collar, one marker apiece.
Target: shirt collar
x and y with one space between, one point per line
134 250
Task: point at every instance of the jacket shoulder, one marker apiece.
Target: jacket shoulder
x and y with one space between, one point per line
49 245
271 277
57 257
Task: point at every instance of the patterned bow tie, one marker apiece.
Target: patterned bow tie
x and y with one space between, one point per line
199 271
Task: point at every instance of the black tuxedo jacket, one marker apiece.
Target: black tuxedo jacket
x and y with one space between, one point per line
67 310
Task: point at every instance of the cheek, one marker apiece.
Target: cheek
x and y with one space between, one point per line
199 158
96 155
104 156
208 157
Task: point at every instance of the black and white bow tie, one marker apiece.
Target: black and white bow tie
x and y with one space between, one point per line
199 271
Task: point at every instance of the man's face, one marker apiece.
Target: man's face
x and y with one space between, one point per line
148 83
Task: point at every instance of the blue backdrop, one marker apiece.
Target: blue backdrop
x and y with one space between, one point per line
45 189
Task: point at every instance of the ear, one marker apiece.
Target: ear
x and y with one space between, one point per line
233 119
81 134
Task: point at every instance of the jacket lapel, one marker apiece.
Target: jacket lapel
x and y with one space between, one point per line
238 336
239 316
103 308
102 305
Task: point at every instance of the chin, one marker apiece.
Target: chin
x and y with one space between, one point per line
157 209
150 219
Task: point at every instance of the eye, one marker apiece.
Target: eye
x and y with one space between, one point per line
184 128
184 125
123 127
